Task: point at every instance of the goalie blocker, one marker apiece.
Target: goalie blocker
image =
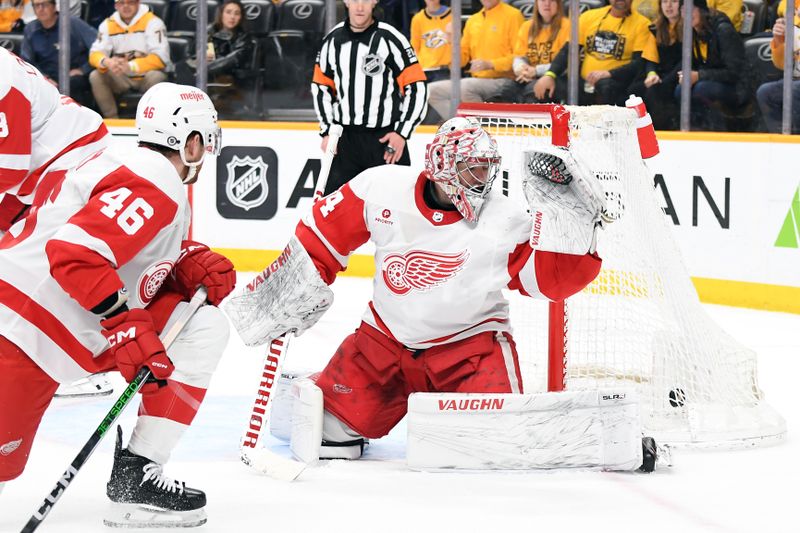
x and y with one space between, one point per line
597 429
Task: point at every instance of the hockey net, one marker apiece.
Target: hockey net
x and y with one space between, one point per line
640 323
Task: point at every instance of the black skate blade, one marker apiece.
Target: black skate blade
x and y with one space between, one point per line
137 516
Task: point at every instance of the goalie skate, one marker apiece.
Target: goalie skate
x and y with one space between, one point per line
93 385
143 497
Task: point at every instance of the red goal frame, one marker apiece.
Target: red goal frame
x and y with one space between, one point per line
557 319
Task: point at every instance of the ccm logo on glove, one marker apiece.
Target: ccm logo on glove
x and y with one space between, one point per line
121 336
135 343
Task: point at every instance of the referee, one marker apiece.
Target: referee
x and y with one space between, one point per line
367 79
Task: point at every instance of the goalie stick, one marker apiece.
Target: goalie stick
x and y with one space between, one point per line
252 451
122 402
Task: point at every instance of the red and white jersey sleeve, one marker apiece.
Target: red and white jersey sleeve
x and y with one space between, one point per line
115 221
438 278
333 230
40 130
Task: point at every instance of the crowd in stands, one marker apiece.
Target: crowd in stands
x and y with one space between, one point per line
511 51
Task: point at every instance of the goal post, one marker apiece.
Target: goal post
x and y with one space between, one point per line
640 323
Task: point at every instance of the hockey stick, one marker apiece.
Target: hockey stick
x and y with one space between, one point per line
253 453
122 402
334 133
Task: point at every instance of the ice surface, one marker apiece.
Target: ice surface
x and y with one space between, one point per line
743 491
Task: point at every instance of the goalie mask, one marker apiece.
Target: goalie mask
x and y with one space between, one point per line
169 113
463 160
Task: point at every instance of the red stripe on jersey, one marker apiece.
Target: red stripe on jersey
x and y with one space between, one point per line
29 184
386 331
562 275
48 324
84 274
10 177
437 217
448 337
176 401
17 111
516 262
327 265
339 217
126 212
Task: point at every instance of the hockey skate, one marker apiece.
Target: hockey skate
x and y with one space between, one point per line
142 497
92 385
654 455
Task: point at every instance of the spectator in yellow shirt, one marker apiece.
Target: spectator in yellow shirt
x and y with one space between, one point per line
488 46
615 43
14 14
131 52
430 39
538 41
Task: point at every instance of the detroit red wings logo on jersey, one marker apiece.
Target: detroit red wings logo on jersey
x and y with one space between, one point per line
420 270
152 279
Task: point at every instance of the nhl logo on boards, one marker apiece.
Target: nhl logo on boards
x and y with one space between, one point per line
151 280
247 182
246 185
372 65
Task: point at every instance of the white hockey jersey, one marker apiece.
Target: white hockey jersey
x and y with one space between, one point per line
40 130
116 220
438 278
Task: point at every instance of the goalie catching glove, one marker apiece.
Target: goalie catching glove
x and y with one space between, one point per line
566 200
289 295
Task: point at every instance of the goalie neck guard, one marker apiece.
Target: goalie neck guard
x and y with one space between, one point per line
463 160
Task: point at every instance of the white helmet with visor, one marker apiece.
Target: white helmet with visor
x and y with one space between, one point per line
169 113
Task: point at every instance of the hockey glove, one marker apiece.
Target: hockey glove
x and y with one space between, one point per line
135 343
198 265
567 203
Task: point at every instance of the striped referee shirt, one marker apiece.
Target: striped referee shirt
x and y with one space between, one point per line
370 79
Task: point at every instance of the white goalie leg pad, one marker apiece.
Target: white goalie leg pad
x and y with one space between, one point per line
92 385
288 295
316 433
128 515
280 419
582 429
306 420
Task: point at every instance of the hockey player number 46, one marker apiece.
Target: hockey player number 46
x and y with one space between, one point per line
130 218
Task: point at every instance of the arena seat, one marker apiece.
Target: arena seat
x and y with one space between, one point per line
160 8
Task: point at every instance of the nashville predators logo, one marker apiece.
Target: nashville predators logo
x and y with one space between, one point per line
419 270
434 38
372 65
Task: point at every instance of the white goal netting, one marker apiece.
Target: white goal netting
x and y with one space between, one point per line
640 322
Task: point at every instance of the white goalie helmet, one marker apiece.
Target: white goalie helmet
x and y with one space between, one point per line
169 113
464 160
